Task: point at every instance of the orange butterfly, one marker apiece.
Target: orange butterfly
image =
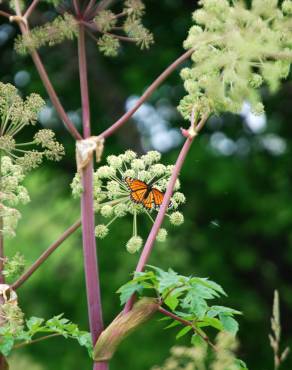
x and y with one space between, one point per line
144 194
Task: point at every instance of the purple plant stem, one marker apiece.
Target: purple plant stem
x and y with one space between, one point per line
5 14
31 8
87 212
149 91
45 255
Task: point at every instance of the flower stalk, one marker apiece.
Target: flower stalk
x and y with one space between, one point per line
148 92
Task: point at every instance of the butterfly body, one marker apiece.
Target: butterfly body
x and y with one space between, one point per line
143 193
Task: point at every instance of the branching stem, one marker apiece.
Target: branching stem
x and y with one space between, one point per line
108 132
5 14
31 8
46 255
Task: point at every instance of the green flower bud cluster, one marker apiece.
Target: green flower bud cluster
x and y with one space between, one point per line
113 197
12 193
15 115
236 50
12 318
131 16
52 33
14 266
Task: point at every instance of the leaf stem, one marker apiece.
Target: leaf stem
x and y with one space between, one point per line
187 323
24 344
149 91
45 255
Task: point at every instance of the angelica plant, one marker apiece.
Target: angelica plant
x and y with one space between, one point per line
234 50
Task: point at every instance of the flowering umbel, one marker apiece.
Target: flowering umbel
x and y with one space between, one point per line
236 50
18 158
112 196
15 115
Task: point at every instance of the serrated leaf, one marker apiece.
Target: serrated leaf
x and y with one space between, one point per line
229 323
183 332
204 292
196 305
167 280
216 310
210 284
127 290
171 301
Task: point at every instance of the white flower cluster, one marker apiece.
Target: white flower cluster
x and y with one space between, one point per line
15 114
236 50
113 196
12 193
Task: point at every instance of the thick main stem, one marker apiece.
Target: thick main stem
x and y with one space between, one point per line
89 244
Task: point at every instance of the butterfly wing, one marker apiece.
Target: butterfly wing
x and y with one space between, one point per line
138 189
158 198
148 201
135 184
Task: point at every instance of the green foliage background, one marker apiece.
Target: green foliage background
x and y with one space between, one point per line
238 212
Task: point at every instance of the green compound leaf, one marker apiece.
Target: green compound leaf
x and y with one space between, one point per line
186 297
